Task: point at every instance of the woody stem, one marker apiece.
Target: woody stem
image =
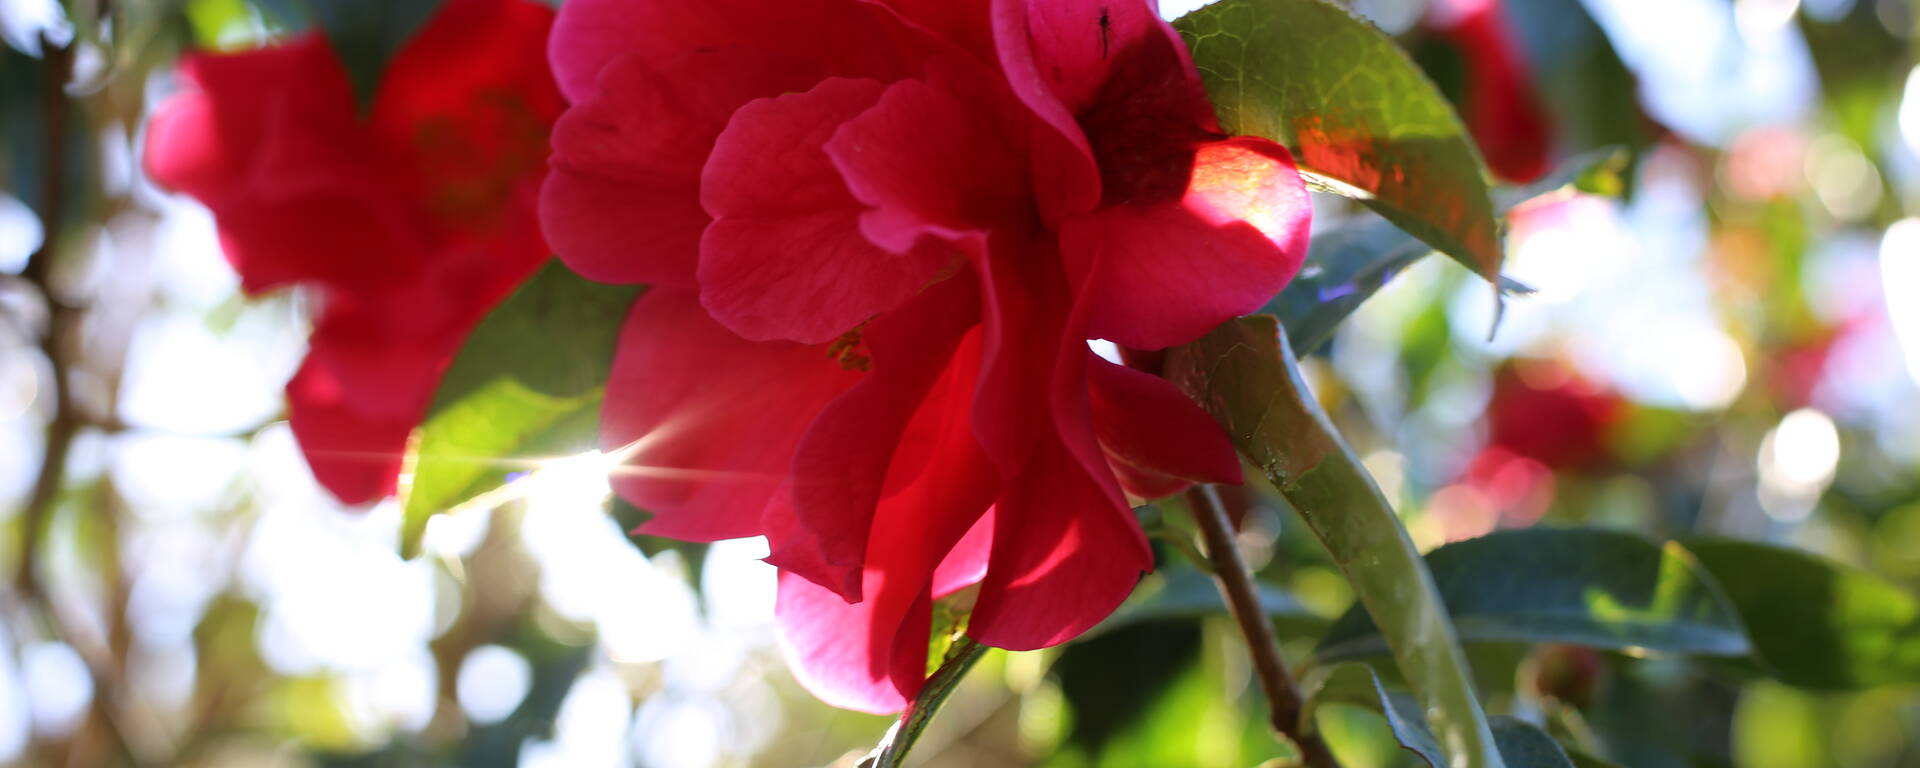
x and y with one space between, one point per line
1243 599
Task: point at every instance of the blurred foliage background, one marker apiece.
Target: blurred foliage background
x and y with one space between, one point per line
1724 338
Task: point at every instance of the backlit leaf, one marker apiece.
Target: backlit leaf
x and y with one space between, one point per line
526 386
1358 113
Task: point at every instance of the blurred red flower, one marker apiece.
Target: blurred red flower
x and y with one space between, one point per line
1547 412
412 218
880 235
1502 111
1543 418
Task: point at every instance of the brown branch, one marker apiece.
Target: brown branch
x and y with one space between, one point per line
61 320
101 738
1243 599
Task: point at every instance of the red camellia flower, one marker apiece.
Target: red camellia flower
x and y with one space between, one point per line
1502 111
880 235
1546 411
412 218
1543 418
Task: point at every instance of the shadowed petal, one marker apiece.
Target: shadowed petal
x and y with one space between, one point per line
841 467
872 655
1146 422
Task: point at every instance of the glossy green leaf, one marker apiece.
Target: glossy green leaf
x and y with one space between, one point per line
1244 374
1520 744
1357 112
526 385
1816 623
367 33
1598 588
1525 746
1345 266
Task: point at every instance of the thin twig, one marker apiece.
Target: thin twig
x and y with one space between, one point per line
1236 584
60 319
63 321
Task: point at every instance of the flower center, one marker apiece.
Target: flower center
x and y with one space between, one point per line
849 352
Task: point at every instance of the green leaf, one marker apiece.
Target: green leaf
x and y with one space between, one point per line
1185 592
1355 683
526 385
1816 623
1355 110
1598 588
1246 376
893 749
1520 744
1344 267
367 33
1583 760
1526 746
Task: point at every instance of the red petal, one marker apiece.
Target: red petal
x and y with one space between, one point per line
966 564
842 465
267 140
1503 113
965 24
1023 311
712 419
939 157
469 101
1065 177
1075 551
623 203
1068 562
1146 422
842 652
354 455
784 257
872 655
851 38
1167 273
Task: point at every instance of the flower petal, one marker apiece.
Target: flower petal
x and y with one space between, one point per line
936 157
841 467
1022 314
966 563
1062 560
784 257
851 38
355 455
1166 273
623 202
1502 110
967 24
926 535
1065 177
707 451
283 168
1144 421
